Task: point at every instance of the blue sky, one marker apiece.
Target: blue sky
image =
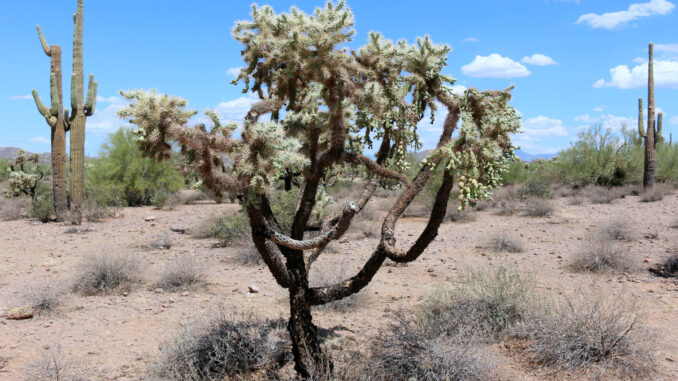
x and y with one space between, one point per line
574 62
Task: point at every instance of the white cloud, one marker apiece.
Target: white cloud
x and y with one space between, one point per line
234 71
598 109
542 127
613 122
105 118
639 60
494 66
40 139
667 51
665 75
458 89
236 109
613 20
20 97
674 121
470 39
539 60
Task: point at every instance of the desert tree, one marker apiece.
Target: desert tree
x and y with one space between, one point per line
325 103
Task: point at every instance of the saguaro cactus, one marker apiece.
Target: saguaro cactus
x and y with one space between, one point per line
55 119
650 134
80 111
58 118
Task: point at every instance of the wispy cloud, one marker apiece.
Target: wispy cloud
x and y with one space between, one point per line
494 66
470 39
622 77
613 122
105 118
40 139
20 97
233 72
674 121
613 20
598 109
539 60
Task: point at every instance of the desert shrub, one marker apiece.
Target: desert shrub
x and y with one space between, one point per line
4 166
517 173
594 334
231 229
489 303
667 269
224 348
417 209
182 272
95 212
43 298
53 365
618 230
105 272
333 275
602 255
160 242
363 228
404 352
538 207
575 200
500 242
657 193
124 173
507 207
11 208
160 199
42 208
250 256
283 205
455 215
204 228
535 188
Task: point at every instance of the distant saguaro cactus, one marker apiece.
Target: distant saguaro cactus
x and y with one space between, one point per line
650 135
58 119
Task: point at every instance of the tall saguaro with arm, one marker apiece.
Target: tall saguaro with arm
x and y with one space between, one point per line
61 122
54 115
650 135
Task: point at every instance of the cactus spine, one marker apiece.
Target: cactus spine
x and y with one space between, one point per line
650 142
59 120
54 115
81 108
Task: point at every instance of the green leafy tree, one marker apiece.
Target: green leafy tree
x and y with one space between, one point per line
121 172
335 102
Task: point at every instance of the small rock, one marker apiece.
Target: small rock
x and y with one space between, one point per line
19 313
343 240
648 260
253 289
149 218
159 290
430 269
129 344
185 293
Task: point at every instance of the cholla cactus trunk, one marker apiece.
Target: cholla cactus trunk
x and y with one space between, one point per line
650 152
55 119
80 111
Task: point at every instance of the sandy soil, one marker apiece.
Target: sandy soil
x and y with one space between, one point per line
115 337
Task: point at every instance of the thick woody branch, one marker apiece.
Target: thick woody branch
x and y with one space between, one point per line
358 158
320 240
273 260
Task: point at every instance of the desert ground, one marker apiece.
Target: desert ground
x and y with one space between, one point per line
117 336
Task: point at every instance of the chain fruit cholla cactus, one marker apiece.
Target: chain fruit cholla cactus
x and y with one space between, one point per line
24 174
335 102
60 121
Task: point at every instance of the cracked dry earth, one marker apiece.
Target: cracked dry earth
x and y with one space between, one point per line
115 337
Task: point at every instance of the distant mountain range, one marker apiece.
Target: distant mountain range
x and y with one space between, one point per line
11 152
524 156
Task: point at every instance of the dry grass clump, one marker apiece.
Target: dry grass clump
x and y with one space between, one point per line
52 365
657 193
227 347
538 207
667 269
417 209
182 272
204 228
508 207
599 195
575 200
618 230
502 242
594 334
44 299
488 304
12 209
332 275
161 242
455 215
404 352
232 229
105 272
362 228
95 212
600 255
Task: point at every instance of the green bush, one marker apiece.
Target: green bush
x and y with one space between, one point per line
517 173
283 204
42 208
4 166
122 173
232 229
